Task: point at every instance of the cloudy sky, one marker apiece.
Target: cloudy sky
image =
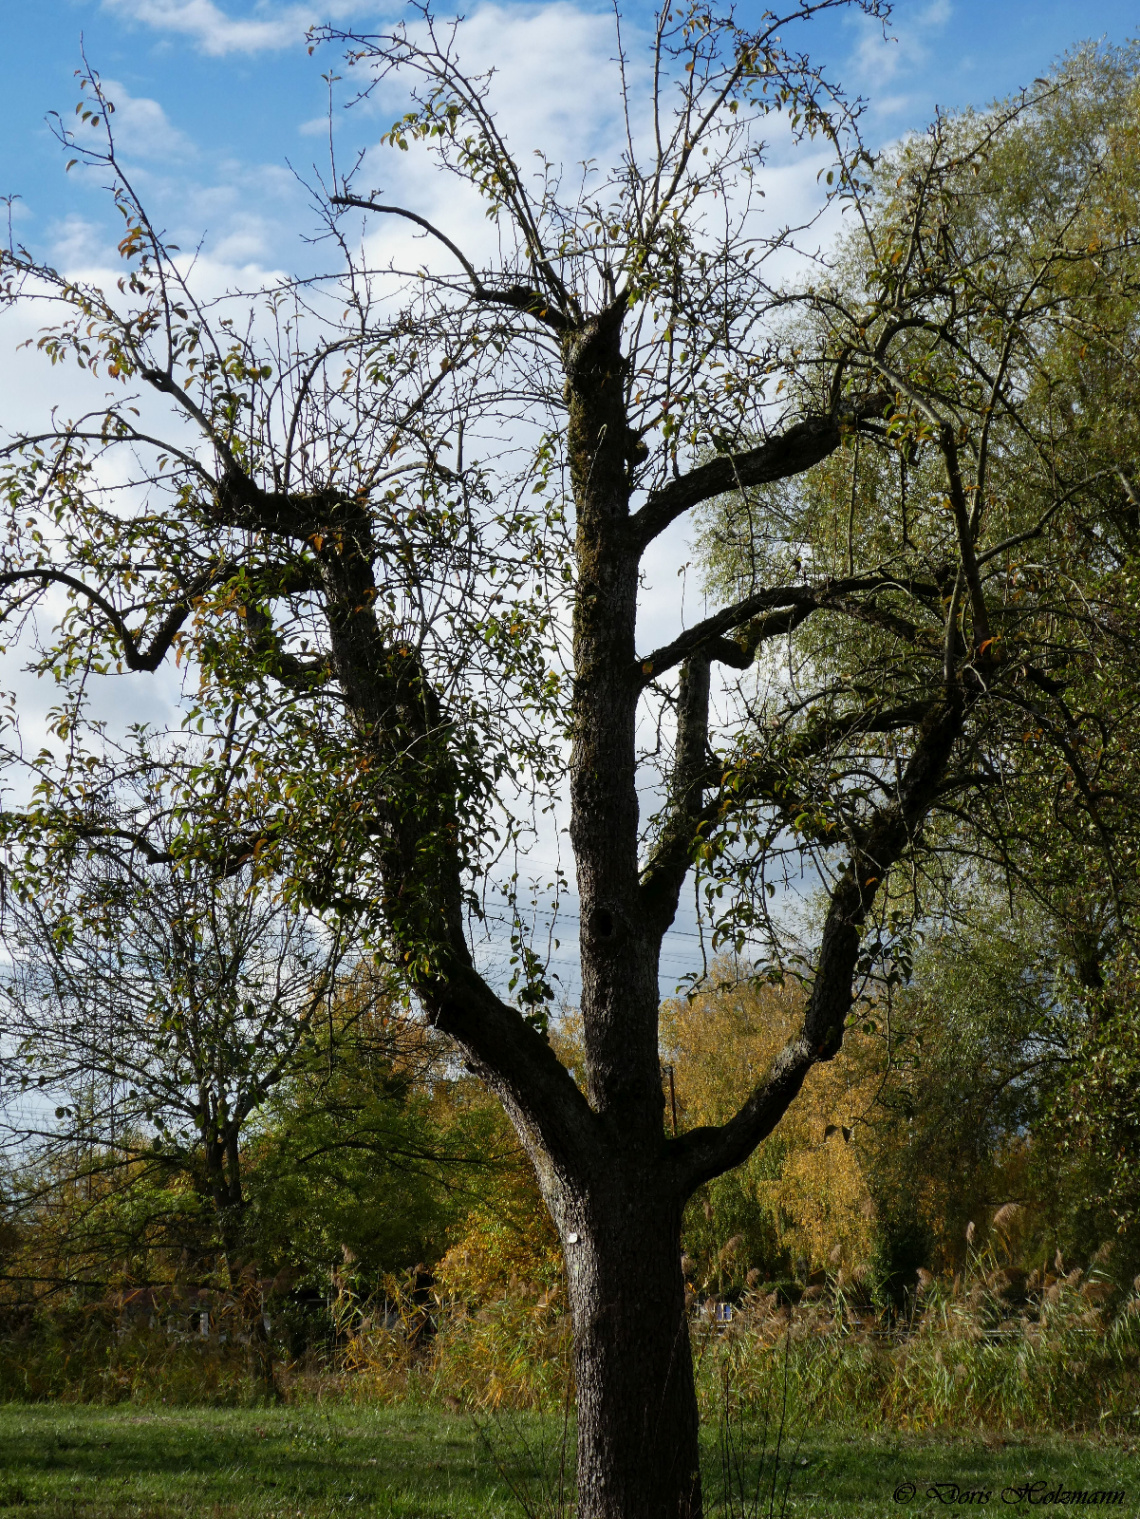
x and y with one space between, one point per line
218 97
220 108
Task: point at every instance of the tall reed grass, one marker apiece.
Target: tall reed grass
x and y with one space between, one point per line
514 1352
988 1349
78 1353
972 1353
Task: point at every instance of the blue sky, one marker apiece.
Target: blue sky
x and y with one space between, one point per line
216 96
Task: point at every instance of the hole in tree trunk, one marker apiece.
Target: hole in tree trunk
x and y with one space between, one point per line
603 923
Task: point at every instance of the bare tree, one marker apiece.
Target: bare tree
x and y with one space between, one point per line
389 492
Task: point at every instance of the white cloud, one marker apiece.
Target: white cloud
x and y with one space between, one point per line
907 46
557 81
245 244
268 29
556 90
142 127
77 243
899 56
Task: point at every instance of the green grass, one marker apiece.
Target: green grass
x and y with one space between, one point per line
856 1475
314 1462
135 1463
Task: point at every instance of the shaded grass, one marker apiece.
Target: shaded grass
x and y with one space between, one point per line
857 1475
314 1462
241 1463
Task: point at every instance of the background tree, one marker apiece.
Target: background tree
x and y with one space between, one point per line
150 1011
972 1055
379 494
1013 235
375 1147
800 1202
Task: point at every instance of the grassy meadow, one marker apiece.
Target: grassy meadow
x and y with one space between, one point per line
817 1408
316 1462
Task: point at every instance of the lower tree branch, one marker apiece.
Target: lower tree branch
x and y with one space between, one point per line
756 618
707 1152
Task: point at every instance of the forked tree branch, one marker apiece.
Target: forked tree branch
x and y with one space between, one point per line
136 659
523 298
707 1152
791 453
747 616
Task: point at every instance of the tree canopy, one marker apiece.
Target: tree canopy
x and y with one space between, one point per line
395 521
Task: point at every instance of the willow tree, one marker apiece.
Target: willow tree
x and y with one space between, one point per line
396 523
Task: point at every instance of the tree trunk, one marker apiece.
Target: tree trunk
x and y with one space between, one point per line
637 1408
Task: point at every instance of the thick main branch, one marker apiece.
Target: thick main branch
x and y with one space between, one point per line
791 453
